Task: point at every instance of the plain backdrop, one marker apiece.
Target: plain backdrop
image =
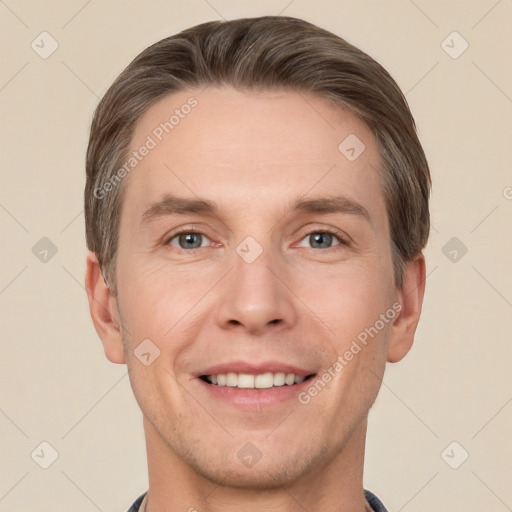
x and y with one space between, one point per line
439 433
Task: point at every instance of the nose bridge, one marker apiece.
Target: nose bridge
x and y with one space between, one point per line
254 297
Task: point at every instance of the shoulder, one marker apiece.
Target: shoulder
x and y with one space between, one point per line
136 505
374 502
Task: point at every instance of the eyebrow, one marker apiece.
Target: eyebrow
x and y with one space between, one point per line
336 204
173 205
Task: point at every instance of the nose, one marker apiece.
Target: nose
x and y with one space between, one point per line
256 297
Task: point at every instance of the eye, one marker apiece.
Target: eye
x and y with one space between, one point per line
322 240
189 240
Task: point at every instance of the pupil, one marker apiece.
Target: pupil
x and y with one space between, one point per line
321 240
190 240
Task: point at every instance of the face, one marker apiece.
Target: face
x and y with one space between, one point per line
254 259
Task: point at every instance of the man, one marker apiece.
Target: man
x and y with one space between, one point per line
256 209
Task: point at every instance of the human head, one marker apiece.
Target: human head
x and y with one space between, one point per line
251 164
271 52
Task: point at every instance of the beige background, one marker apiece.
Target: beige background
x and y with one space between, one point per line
456 384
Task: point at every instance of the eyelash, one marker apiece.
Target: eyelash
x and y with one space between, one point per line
343 241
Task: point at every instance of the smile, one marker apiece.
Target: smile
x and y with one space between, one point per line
251 381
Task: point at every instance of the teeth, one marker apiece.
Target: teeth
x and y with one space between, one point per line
265 380
249 381
279 379
244 380
289 379
231 379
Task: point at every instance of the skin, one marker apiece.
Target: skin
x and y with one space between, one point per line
297 302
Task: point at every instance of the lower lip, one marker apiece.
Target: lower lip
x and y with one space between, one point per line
254 398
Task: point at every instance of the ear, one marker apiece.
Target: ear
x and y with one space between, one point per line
103 309
411 298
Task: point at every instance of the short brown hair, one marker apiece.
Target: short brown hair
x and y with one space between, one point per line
260 53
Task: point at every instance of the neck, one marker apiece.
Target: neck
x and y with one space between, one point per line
332 485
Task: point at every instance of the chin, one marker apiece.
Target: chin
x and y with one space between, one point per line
274 469
272 475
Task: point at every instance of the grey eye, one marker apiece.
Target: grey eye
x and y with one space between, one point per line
321 240
188 240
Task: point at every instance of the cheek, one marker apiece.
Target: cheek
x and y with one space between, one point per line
159 297
348 300
167 307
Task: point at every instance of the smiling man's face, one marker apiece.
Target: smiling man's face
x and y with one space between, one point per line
250 244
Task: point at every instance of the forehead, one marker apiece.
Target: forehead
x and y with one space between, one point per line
264 146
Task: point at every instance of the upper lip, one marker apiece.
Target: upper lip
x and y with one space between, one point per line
253 368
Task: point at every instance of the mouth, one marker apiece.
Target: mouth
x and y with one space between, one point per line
264 380
253 386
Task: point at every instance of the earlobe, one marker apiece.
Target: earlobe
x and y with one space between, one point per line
411 298
104 312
